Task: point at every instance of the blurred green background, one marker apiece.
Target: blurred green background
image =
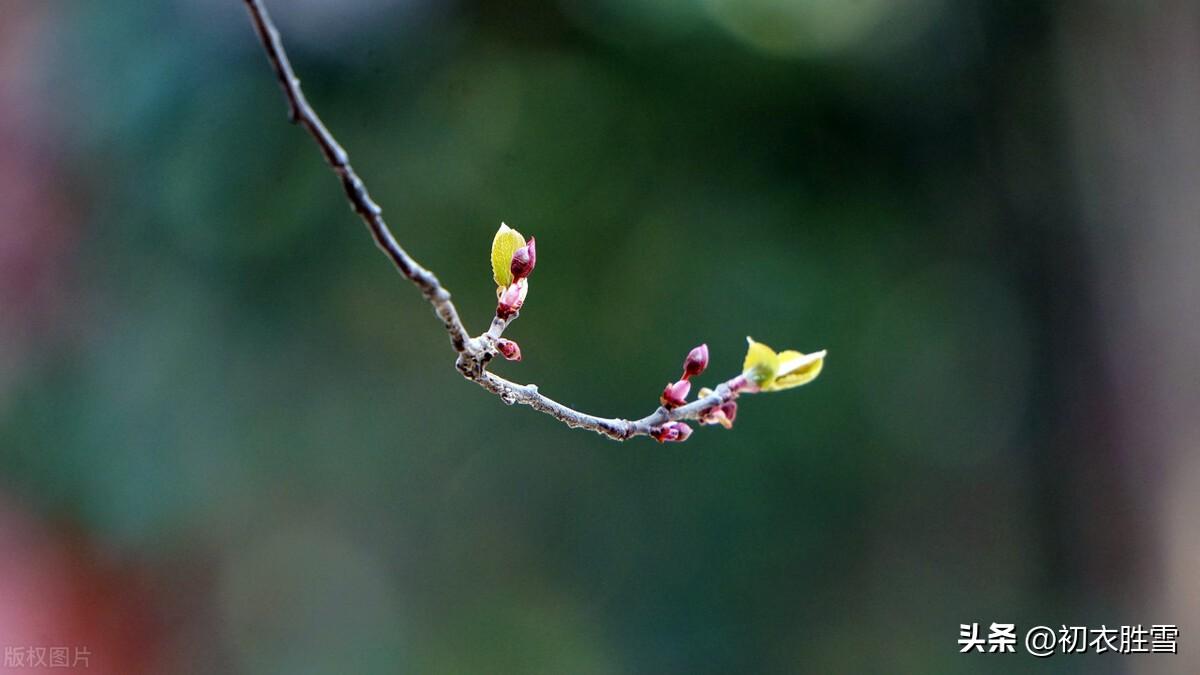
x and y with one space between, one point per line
232 438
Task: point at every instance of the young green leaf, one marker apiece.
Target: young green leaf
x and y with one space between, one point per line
774 372
796 369
505 243
761 364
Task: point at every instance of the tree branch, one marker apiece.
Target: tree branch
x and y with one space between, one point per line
300 112
619 429
474 354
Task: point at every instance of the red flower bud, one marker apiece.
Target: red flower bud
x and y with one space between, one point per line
511 298
696 361
672 432
508 349
523 260
676 394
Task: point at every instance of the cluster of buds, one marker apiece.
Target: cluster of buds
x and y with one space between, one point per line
513 261
676 393
763 370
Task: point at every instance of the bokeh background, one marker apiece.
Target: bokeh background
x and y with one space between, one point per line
232 439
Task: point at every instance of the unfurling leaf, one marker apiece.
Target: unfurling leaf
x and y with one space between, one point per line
773 372
506 242
761 364
796 369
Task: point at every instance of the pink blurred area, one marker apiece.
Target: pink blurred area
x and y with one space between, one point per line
58 589
38 216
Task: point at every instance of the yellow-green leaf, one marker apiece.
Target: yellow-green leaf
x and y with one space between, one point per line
506 242
761 364
796 369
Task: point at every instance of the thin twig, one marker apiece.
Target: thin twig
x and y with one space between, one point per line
300 112
474 354
619 429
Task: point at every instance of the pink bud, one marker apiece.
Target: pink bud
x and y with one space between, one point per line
723 414
523 260
672 432
729 408
684 430
696 361
508 349
512 298
676 394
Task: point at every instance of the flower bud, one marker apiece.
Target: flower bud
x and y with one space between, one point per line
696 361
676 394
523 260
723 414
512 298
508 349
729 409
672 432
685 431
